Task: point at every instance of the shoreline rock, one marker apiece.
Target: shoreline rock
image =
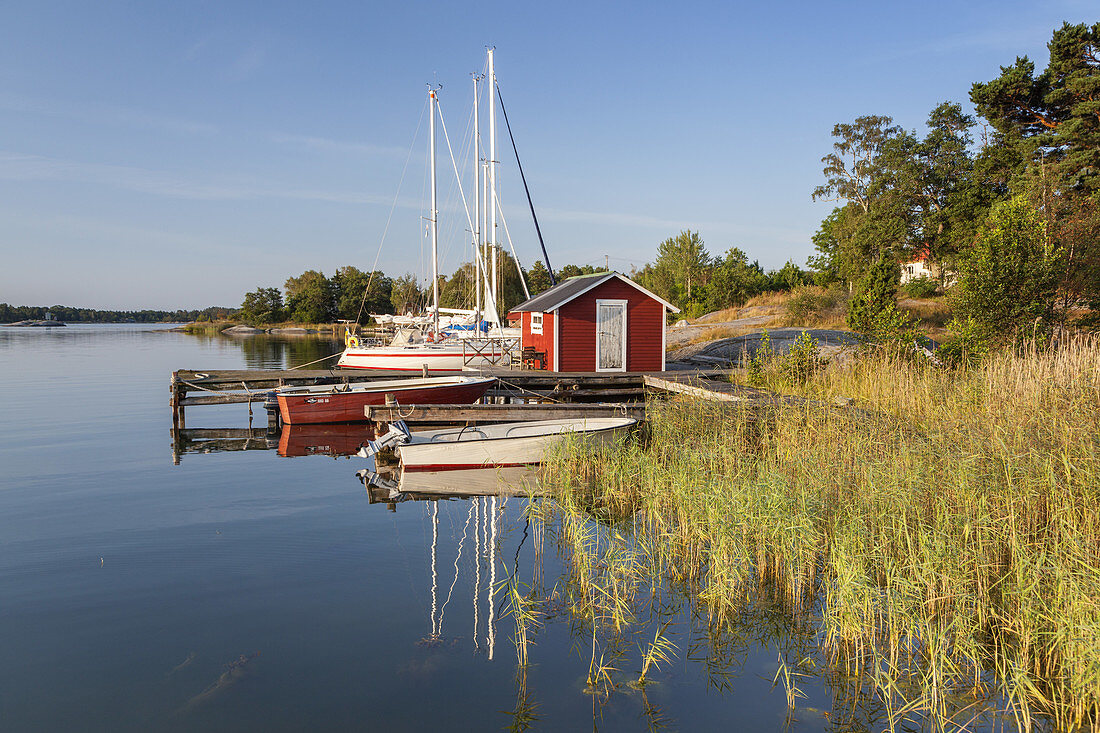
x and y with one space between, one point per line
730 351
35 324
243 331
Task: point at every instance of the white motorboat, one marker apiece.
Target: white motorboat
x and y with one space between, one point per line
504 444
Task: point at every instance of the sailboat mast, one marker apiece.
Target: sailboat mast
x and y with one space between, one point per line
477 210
491 203
434 218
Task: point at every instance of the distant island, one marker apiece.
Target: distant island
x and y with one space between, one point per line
59 315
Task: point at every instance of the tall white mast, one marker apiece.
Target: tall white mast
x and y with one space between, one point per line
477 210
491 203
434 217
485 229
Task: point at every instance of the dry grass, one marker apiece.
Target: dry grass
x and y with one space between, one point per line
776 298
206 328
931 313
721 332
946 540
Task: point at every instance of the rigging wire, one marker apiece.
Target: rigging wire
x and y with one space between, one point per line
527 190
494 315
393 207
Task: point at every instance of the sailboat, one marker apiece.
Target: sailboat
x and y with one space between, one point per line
459 341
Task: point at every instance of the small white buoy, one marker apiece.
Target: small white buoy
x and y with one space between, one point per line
101 562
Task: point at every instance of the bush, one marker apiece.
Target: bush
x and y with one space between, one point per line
875 293
810 306
1008 280
968 346
805 303
761 361
922 287
802 360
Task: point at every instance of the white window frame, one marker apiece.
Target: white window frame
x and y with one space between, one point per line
625 305
556 323
536 323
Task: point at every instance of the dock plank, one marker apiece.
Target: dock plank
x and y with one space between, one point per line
499 413
697 387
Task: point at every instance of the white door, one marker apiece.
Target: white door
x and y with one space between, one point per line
611 335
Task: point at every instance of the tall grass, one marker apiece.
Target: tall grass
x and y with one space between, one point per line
945 538
206 328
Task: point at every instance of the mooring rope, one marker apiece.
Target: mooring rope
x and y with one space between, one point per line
205 389
530 391
338 353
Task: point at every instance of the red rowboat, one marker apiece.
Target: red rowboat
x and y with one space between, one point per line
345 403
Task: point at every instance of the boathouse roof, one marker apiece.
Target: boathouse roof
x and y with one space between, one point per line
574 287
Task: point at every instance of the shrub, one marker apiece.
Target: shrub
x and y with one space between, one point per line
1009 278
876 291
922 287
761 360
968 345
802 360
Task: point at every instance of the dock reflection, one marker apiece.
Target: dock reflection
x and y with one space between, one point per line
290 441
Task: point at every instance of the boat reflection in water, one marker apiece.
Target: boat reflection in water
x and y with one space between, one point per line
401 485
485 493
323 440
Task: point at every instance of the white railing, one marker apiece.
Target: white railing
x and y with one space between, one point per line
502 351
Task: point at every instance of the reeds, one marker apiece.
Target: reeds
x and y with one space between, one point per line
944 537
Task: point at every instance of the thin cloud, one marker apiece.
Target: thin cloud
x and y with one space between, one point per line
341 147
105 115
16 166
250 60
790 235
1015 41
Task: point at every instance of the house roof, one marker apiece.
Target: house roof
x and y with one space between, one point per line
574 287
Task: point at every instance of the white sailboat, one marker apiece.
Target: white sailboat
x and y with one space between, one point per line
457 341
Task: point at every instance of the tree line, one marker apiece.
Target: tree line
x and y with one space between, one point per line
1006 205
68 314
1012 219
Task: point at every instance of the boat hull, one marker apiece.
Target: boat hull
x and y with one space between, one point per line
435 358
510 444
300 405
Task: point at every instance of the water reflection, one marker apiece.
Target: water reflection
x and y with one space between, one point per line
274 351
390 485
290 441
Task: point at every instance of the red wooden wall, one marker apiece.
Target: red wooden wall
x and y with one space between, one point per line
540 342
644 329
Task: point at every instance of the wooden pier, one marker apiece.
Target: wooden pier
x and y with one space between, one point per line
518 396
241 386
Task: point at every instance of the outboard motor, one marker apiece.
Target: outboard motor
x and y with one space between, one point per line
398 434
271 404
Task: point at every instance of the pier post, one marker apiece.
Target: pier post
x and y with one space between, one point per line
175 400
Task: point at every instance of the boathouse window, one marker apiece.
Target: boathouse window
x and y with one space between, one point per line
536 323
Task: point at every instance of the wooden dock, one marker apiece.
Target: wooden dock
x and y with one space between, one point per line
518 396
242 386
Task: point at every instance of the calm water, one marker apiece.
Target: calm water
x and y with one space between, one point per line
129 586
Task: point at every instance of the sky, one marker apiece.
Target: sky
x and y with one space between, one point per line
179 154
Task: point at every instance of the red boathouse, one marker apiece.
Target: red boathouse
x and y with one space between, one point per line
595 323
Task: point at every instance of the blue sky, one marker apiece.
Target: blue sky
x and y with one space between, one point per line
163 155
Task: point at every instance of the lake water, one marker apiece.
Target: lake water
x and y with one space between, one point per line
250 591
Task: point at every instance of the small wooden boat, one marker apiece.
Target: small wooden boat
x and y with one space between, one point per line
345 403
505 444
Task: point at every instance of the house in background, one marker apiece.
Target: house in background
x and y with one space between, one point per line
604 322
922 266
